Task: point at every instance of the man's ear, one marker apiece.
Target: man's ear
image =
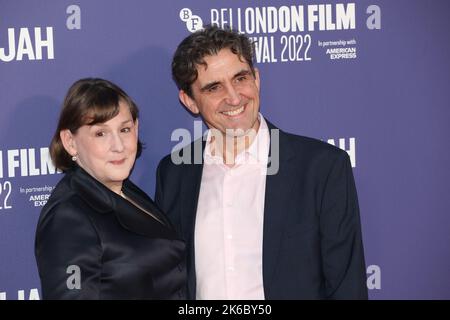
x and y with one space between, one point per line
257 81
188 102
68 141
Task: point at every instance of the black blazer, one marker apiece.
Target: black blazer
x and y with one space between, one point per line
121 252
312 244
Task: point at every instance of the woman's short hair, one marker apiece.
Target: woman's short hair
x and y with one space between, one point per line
89 101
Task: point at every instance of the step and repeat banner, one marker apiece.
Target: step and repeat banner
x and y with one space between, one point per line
371 77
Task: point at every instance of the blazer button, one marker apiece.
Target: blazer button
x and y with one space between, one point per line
180 267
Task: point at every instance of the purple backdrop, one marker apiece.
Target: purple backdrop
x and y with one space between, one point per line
374 81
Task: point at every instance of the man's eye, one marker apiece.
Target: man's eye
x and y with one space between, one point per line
213 88
241 78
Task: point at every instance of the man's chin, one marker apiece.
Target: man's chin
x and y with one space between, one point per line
241 134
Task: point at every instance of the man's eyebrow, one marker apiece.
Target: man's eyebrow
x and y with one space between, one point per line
244 72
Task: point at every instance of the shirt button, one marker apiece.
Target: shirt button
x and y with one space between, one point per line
231 269
229 236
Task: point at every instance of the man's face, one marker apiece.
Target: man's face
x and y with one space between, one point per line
226 94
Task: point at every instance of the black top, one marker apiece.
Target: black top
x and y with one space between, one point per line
93 244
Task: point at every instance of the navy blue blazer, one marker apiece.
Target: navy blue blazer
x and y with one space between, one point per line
312 243
121 252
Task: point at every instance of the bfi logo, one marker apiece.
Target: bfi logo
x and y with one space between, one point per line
193 22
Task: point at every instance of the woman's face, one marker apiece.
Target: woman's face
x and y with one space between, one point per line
107 151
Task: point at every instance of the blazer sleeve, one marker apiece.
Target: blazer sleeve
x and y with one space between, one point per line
341 241
68 253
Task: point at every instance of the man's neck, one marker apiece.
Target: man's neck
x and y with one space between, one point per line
229 147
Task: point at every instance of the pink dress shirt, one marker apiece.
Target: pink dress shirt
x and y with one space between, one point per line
229 223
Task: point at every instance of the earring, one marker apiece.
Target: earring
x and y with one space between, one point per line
74 158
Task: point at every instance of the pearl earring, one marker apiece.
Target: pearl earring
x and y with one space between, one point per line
74 158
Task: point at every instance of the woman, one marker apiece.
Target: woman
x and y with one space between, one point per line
99 236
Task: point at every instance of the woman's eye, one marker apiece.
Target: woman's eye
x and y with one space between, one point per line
127 129
100 134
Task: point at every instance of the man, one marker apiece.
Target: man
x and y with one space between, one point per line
253 232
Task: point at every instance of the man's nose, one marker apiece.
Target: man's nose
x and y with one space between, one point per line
233 97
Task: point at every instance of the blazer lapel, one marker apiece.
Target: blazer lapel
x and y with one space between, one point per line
95 194
190 191
276 197
143 200
104 201
137 221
